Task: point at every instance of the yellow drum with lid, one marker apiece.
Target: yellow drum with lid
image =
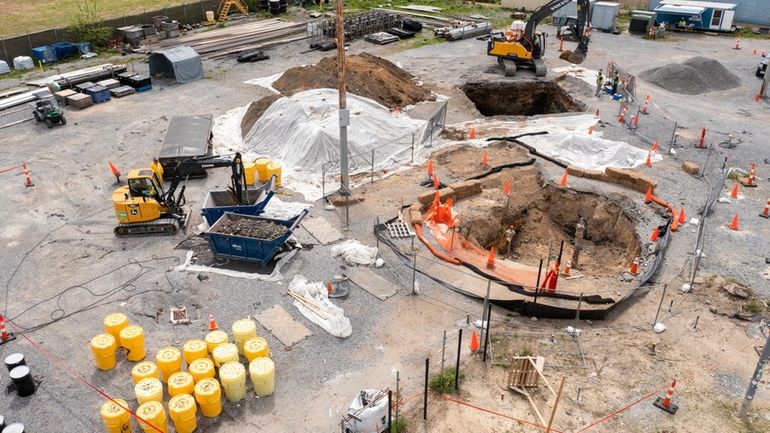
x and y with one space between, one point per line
149 389
261 165
155 415
215 338
114 323
262 372
255 348
182 410
103 347
194 349
227 352
243 330
169 361
115 416
201 368
274 169
250 172
180 383
232 375
208 394
132 338
143 370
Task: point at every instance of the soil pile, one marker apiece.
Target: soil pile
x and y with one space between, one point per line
258 229
255 110
693 77
366 75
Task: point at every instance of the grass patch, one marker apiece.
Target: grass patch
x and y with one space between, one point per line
623 21
526 351
444 382
748 34
754 307
399 426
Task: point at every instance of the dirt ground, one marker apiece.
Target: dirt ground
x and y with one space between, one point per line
63 270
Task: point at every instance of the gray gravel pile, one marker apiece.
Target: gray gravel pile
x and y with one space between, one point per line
258 229
692 77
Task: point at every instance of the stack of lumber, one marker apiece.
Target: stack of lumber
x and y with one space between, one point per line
70 79
238 38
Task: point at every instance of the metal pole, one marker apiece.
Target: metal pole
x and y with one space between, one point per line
577 314
372 175
705 161
412 133
344 119
376 223
537 284
398 394
425 393
484 309
486 337
555 405
662 296
457 365
673 138
414 272
390 408
443 356
746 405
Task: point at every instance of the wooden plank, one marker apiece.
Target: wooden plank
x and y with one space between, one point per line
283 326
364 278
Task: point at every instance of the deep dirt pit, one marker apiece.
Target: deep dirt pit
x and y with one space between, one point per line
524 98
537 219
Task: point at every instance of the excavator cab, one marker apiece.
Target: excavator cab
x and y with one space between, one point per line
141 199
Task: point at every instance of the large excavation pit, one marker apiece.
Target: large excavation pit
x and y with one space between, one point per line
525 98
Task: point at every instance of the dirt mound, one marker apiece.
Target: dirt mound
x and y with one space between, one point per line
255 110
367 75
693 76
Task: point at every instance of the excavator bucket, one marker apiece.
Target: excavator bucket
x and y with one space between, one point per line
579 55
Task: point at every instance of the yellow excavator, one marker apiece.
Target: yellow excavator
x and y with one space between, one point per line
524 48
144 208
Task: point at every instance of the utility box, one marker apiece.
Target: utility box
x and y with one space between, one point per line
641 22
605 16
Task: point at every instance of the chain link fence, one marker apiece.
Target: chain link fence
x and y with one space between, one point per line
362 164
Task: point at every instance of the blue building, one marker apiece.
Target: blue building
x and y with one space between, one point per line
756 12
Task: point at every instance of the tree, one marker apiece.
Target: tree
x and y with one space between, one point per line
87 25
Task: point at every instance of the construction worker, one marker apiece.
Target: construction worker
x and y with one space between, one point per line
615 81
599 83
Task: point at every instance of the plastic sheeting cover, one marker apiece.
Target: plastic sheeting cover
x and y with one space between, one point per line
355 253
335 323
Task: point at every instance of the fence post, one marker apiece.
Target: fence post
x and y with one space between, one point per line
484 309
398 393
673 138
412 132
390 408
662 296
425 394
372 175
457 365
414 272
705 161
486 337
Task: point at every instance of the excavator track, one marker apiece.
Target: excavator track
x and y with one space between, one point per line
161 226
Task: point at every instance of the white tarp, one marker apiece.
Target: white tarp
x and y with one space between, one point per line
323 313
355 253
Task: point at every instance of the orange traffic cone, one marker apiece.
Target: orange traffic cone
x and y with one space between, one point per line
648 162
27 178
212 323
734 223
484 158
590 130
474 345
654 235
655 146
507 188
766 211
568 269
491 258
563 181
430 168
436 184
115 171
472 134
682 217
734 192
750 182
329 287
648 195
634 266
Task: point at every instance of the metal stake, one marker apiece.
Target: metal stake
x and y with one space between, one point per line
662 296
414 271
457 365
443 356
390 408
486 337
673 138
484 309
398 395
425 391
755 379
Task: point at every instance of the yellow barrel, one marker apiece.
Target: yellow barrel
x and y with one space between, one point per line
169 361
149 389
255 348
155 415
201 368
115 417
262 372
243 330
208 394
143 370
232 375
214 339
194 349
180 383
132 338
114 323
250 171
227 352
103 347
261 165
274 168
182 410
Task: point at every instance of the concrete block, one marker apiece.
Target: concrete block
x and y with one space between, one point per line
466 189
